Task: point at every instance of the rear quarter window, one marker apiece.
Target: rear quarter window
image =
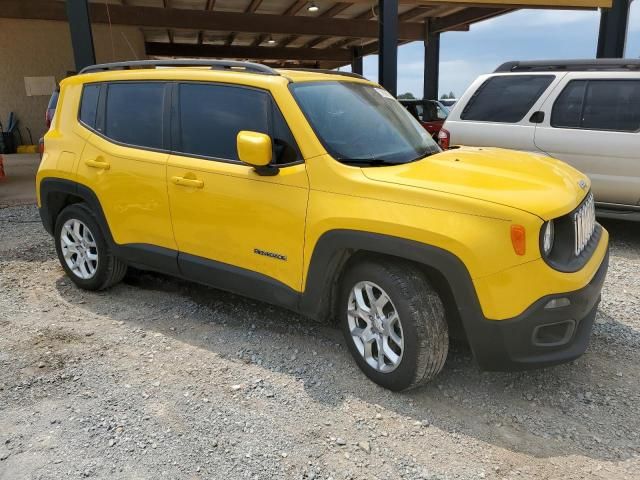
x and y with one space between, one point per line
89 105
505 98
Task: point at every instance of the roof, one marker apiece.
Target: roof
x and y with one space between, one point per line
280 32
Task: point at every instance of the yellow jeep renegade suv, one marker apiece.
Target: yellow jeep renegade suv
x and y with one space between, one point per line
318 191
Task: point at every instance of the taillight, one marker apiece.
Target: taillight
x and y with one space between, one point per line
444 138
48 116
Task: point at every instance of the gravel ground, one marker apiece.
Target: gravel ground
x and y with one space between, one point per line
160 378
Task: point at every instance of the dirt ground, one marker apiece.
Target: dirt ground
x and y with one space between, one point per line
160 378
19 185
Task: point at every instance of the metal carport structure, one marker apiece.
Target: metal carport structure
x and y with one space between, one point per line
293 33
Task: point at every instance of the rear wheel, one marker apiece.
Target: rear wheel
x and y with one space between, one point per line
394 323
83 251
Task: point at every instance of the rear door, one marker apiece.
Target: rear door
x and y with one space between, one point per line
496 111
125 158
592 122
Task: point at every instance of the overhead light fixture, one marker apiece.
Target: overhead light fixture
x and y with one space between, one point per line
270 40
313 7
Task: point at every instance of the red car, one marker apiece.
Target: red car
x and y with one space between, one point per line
430 113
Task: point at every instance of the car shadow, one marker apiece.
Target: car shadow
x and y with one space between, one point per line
574 409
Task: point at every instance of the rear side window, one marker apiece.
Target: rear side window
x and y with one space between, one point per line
212 115
134 113
88 104
567 110
505 98
599 105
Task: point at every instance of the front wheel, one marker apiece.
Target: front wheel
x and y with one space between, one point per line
394 323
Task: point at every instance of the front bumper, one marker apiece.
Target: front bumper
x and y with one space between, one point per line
540 336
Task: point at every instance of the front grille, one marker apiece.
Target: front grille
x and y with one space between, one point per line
584 224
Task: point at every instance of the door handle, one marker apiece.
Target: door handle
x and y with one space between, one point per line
98 164
187 182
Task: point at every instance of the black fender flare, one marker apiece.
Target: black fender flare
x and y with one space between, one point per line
50 206
52 195
335 247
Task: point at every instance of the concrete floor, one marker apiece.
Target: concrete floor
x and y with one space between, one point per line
18 186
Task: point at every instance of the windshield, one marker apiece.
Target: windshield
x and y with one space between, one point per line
362 124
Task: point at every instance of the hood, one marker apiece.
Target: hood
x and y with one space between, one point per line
540 185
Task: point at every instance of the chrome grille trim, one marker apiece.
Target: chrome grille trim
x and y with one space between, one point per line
584 224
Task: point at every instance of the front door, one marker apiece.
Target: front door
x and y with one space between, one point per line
235 229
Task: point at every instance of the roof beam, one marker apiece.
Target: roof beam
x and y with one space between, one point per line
369 14
562 4
331 12
292 9
464 18
244 52
208 6
207 20
253 6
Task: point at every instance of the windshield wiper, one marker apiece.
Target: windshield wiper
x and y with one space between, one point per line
426 153
366 161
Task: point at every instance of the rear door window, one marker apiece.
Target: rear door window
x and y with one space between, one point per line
598 105
567 110
506 98
134 113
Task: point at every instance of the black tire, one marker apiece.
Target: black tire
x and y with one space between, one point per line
110 269
421 314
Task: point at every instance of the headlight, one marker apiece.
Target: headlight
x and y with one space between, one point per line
547 237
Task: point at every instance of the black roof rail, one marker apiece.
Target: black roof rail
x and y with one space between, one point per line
214 64
327 71
576 65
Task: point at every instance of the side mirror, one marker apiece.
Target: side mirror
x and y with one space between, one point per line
255 149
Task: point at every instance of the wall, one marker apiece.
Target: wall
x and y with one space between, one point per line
35 48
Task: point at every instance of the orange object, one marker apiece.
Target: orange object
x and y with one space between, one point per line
519 239
2 174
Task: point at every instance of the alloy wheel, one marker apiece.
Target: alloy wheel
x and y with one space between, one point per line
79 249
375 327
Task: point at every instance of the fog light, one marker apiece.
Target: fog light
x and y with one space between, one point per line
554 334
557 303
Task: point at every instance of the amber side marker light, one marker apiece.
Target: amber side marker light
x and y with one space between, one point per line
518 239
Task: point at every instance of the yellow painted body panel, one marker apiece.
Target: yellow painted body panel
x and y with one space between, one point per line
463 201
132 192
236 211
515 289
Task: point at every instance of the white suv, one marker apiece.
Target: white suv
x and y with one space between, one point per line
584 112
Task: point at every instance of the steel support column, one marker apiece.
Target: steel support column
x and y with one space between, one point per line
614 23
388 41
81 35
356 60
431 65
